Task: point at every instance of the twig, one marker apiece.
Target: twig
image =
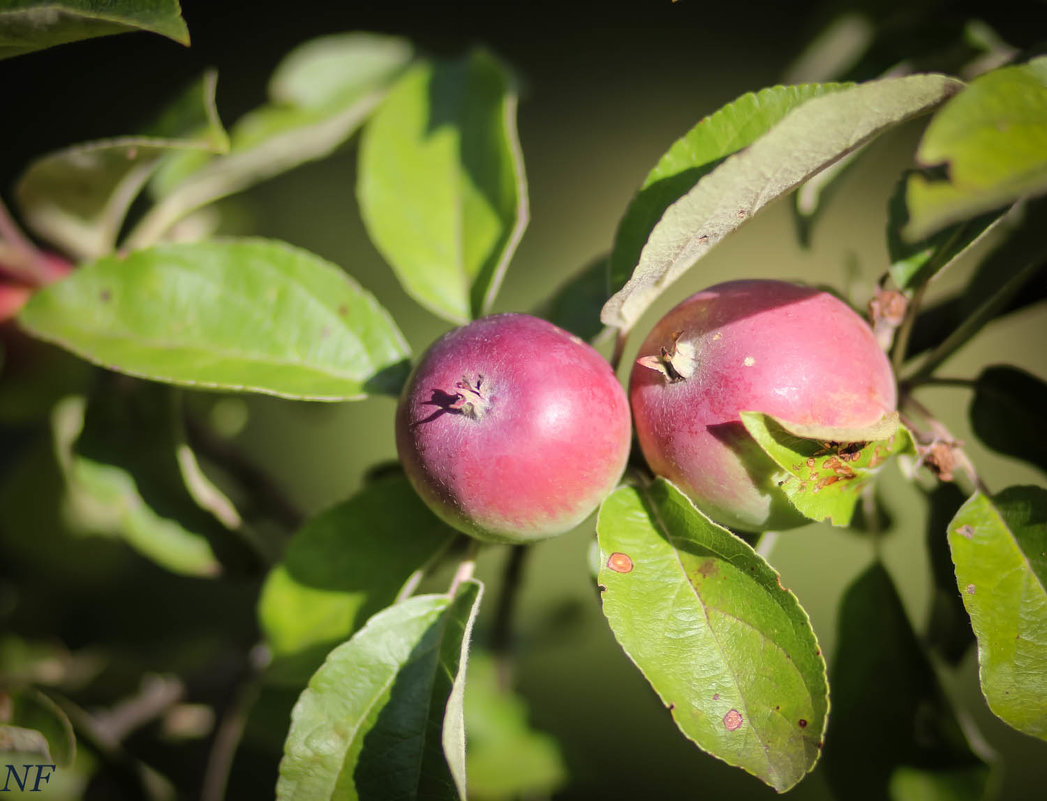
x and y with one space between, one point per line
231 727
502 633
941 434
266 494
157 695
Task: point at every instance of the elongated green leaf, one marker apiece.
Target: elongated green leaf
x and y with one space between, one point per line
320 95
28 25
441 185
915 263
370 724
808 139
727 648
697 153
29 716
118 456
343 566
251 315
507 758
999 547
892 724
824 471
1007 413
991 140
78 198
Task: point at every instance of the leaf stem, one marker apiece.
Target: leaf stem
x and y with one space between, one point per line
619 348
230 729
23 262
502 633
466 567
901 339
943 381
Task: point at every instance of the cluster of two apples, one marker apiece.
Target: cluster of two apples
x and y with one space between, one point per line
513 430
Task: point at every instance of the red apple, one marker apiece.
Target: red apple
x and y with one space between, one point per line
790 351
512 429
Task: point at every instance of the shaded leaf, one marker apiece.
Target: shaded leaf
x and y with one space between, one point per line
697 153
441 183
991 140
507 758
321 93
575 305
825 470
118 456
808 139
892 723
727 648
28 717
915 263
1007 413
371 723
343 566
250 315
28 25
999 547
949 626
78 198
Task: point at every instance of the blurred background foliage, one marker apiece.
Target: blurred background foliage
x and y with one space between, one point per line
607 87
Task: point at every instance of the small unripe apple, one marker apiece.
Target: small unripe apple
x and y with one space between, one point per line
512 429
796 353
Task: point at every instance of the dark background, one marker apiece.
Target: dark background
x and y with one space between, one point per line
607 87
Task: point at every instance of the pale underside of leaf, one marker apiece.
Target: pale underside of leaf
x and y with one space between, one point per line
810 138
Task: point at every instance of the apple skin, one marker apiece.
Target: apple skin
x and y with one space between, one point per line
512 430
790 351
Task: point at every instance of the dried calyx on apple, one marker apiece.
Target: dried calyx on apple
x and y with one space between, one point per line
793 352
512 430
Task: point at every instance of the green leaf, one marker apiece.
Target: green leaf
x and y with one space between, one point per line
697 153
118 456
707 621
371 723
892 724
999 547
507 758
808 139
915 263
575 305
344 565
991 142
78 198
249 315
28 25
320 95
28 717
441 183
1007 413
824 470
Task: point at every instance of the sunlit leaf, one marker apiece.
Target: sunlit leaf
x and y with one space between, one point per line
28 25
707 621
441 183
252 315
507 758
320 95
991 142
894 731
371 724
808 139
697 153
999 547
1008 413
77 198
825 470
343 566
